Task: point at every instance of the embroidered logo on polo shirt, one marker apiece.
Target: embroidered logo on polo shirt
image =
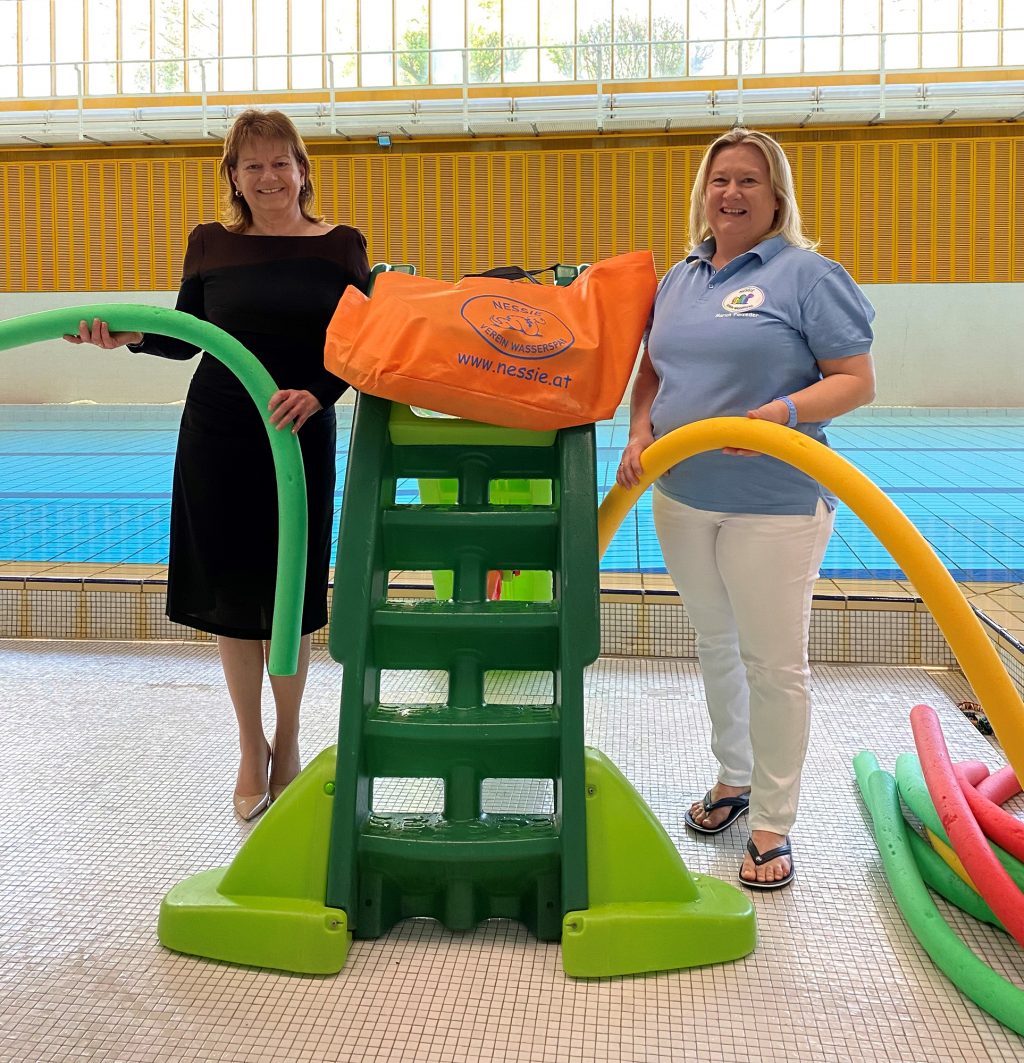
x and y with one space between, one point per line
743 299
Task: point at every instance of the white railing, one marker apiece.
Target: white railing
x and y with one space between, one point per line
340 108
519 65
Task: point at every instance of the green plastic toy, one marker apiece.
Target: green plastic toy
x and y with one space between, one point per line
599 872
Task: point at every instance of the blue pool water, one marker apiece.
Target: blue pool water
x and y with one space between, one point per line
92 484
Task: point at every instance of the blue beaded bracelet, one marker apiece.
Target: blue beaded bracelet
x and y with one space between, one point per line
791 406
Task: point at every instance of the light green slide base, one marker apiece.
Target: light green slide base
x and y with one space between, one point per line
266 909
647 911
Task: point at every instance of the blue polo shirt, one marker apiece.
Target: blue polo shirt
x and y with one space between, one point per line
727 341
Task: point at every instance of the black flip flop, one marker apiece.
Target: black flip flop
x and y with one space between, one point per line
739 805
785 849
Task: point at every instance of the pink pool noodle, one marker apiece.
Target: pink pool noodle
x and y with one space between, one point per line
1000 786
968 841
998 825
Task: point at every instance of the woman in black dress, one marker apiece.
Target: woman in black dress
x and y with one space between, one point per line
271 276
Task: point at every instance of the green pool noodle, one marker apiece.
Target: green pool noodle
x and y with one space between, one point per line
937 874
284 445
914 791
977 981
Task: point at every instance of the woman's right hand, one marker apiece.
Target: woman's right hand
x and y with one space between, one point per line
100 335
630 468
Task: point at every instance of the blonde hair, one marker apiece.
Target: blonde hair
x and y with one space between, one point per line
787 222
251 125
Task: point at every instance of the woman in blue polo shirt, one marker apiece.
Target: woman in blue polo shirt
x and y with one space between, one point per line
751 323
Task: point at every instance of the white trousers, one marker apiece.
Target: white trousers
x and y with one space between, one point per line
747 580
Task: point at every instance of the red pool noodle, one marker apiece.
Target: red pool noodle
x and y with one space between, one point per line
1000 786
975 770
988 875
999 825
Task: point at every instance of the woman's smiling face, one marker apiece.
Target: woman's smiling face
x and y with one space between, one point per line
268 176
739 202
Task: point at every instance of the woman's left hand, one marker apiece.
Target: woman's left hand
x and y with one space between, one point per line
293 408
775 411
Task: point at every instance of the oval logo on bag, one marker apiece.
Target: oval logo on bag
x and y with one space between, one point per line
517 329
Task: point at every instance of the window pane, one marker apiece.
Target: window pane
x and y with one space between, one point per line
901 51
376 43
412 41
447 32
169 45
238 43
203 43
101 77
35 50
782 26
745 51
631 57
594 38
1013 48
981 49
940 49
821 26
271 41
307 44
707 29
135 42
899 22
940 15
861 52
557 33
520 35
980 14
484 27
668 31
341 40
1013 14
8 50
937 48
861 45
203 38
860 16
899 16
68 46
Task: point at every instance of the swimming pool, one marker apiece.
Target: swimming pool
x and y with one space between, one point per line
87 483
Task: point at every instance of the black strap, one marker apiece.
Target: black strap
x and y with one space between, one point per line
515 273
785 849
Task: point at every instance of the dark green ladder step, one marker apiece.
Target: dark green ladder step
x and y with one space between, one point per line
424 538
432 741
428 836
491 463
496 635
501 866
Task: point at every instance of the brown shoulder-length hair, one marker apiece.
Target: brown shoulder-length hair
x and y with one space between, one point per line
250 125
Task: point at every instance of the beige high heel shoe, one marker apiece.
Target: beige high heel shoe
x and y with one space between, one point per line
249 806
276 789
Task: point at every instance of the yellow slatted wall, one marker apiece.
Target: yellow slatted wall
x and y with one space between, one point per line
892 211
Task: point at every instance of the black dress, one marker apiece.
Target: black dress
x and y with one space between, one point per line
275 295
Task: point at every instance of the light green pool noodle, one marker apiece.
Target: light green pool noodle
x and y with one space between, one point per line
291 481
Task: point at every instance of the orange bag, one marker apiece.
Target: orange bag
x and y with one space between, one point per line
499 351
